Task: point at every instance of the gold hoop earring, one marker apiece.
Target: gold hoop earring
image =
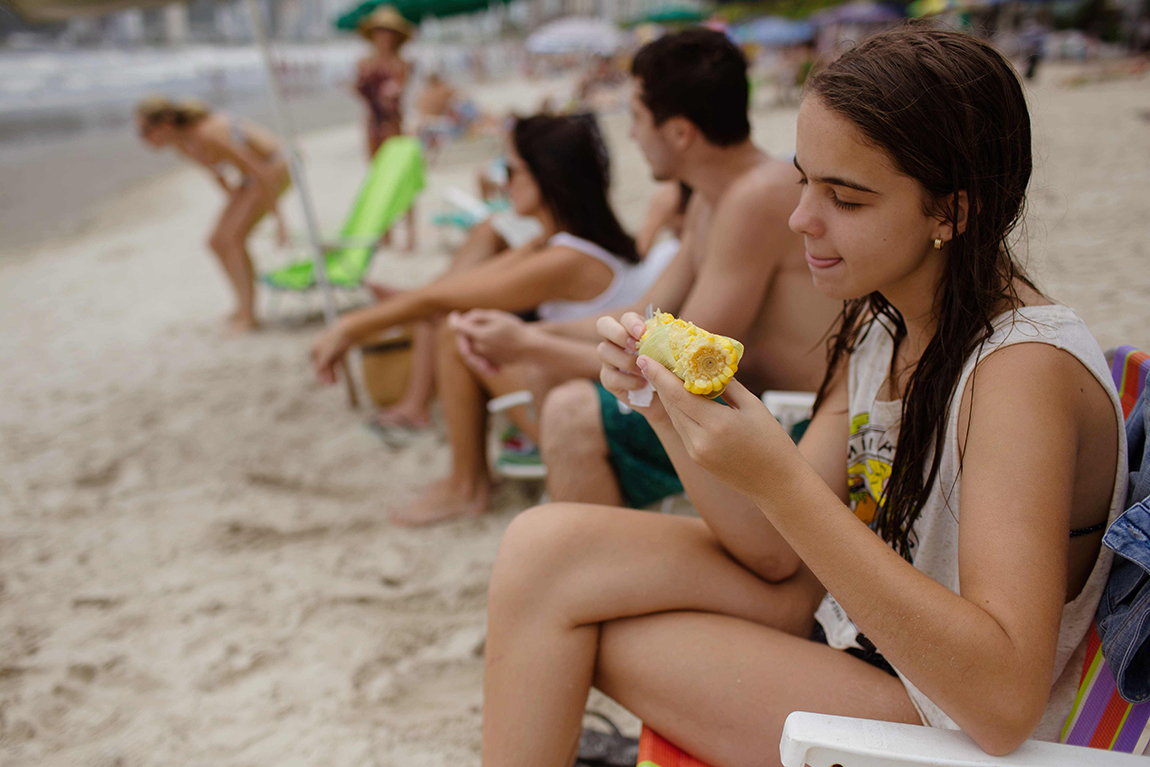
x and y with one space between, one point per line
938 243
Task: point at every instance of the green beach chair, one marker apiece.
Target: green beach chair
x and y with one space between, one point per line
392 183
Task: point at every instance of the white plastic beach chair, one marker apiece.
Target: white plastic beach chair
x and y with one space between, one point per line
818 740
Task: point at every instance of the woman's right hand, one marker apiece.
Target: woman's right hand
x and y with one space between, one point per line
617 352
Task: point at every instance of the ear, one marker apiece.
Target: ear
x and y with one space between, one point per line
679 133
947 229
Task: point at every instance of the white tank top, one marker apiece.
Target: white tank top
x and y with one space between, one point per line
874 427
628 285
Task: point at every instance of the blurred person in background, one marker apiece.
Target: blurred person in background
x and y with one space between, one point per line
581 265
380 80
215 141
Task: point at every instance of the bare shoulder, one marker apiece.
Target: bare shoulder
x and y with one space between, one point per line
211 129
772 185
1034 375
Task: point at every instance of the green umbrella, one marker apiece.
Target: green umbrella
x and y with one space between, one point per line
673 13
414 11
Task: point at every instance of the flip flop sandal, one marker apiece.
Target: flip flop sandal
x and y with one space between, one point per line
606 749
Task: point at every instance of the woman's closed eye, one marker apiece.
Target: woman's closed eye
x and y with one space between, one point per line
843 204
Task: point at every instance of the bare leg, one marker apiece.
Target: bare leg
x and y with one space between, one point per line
414 409
465 492
246 208
721 687
574 446
564 569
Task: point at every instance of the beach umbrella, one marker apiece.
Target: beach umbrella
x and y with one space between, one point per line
577 34
859 12
774 32
59 10
671 13
414 11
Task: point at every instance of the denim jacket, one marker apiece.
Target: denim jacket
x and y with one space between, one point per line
1123 618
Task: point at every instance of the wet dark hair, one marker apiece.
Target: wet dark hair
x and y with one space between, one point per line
698 74
567 157
949 112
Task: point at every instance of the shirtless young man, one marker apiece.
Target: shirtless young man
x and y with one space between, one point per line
740 272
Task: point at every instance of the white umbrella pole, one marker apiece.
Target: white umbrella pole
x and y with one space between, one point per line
311 220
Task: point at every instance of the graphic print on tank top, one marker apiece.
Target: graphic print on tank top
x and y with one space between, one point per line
870 456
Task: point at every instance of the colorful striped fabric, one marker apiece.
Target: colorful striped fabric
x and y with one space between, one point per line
1100 718
1129 368
655 751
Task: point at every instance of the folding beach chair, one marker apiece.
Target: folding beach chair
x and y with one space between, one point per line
392 183
1102 730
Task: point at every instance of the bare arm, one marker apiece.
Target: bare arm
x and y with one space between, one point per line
986 654
667 293
512 283
734 518
746 243
249 163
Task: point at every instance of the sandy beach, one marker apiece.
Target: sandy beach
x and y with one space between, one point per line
196 566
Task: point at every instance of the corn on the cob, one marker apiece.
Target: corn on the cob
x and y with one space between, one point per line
705 362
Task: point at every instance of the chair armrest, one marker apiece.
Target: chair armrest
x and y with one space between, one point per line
508 401
819 740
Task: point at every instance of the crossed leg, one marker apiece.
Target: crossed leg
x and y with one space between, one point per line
653 611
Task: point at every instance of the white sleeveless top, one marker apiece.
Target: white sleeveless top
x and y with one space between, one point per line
628 285
874 427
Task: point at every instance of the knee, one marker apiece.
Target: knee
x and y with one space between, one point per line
528 562
218 242
570 421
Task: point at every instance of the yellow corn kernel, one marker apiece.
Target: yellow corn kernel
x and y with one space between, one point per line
705 362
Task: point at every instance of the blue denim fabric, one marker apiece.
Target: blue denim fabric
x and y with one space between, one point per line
1123 618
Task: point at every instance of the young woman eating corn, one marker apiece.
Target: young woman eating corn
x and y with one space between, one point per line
937 530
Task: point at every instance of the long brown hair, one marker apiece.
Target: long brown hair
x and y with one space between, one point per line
568 158
949 112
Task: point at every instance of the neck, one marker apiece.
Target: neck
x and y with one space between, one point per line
711 169
550 225
915 297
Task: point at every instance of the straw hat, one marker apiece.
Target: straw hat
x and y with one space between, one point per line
385 17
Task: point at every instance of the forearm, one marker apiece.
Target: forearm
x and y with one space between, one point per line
397 309
561 356
734 519
579 330
954 650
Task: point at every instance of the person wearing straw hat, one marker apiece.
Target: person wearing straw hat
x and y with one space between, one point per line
380 80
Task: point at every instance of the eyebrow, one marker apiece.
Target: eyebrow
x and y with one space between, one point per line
836 181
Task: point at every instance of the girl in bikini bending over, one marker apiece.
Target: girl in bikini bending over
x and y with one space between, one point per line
214 141
940 521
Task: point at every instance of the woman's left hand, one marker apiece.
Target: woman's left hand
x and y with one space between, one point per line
327 351
739 444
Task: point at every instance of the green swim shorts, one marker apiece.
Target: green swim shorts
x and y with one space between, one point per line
642 467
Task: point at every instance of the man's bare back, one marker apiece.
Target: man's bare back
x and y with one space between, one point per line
783 341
